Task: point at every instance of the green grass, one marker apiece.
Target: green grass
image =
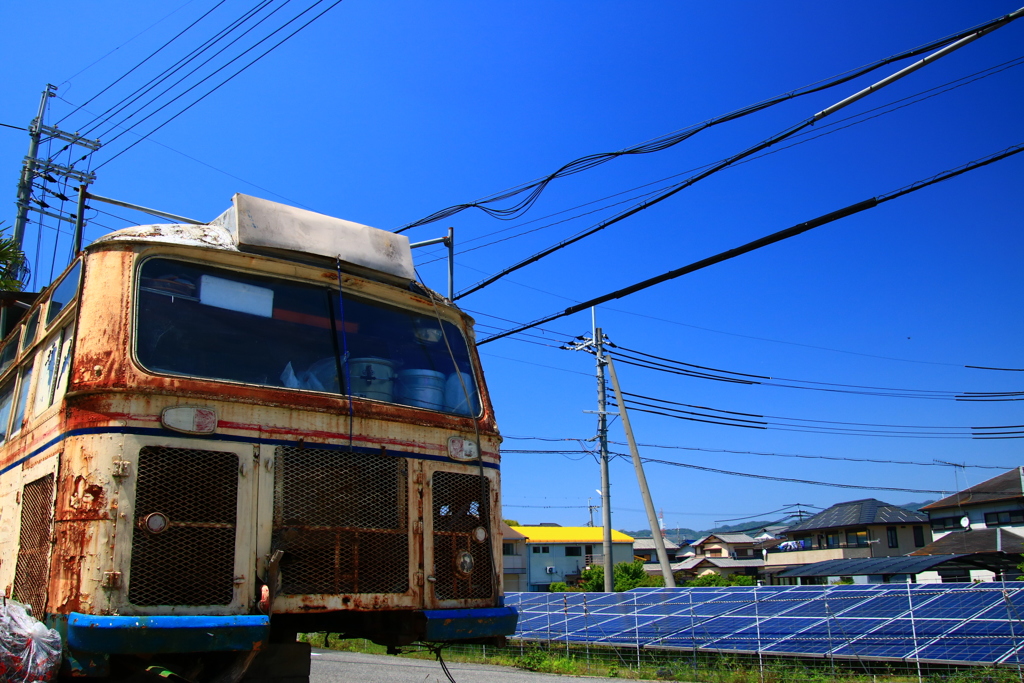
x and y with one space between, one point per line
580 660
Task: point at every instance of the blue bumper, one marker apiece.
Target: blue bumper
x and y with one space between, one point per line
150 635
468 624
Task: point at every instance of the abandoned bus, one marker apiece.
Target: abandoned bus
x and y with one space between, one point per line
215 437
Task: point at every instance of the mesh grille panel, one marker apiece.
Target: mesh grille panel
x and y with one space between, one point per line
191 562
459 507
34 544
341 519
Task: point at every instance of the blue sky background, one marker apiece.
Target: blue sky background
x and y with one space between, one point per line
383 113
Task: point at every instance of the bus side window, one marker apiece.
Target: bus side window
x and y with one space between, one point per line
8 354
64 292
6 401
53 370
21 402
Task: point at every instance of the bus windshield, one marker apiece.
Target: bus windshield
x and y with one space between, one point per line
201 321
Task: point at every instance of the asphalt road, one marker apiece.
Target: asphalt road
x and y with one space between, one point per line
331 666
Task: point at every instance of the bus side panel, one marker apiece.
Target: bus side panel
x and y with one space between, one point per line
83 572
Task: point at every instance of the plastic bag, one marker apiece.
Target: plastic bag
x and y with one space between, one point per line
28 650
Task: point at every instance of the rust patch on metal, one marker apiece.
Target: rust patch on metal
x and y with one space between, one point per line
80 499
66 573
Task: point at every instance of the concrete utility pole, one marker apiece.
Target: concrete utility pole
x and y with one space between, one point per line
33 167
641 479
602 435
29 167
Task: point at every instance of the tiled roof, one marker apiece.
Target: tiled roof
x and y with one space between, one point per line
1007 485
975 541
648 544
865 566
859 513
723 562
570 534
726 538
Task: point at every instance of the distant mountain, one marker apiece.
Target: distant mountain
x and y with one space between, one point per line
916 507
747 527
692 534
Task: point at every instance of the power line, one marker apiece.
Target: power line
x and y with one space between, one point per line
180 64
724 417
794 481
704 372
666 141
82 71
208 165
819 132
874 461
765 241
150 56
229 78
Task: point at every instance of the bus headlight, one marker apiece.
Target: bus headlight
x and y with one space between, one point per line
464 562
154 522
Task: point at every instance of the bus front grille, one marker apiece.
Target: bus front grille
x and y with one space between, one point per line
459 509
34 543
192 560
342 520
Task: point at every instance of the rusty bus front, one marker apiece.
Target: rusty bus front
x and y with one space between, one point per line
226 446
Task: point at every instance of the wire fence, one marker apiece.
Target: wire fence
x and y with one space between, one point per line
914 631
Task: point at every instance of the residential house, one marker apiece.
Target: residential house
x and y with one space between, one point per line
991 554
643 549
723 554
514 558
560 553
913 568
855 529
997 502
735 546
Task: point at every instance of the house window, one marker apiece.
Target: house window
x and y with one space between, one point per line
714 552
894 541
508 549
832 540
857 539
538 549
1009 517
573 551
918 536
943 523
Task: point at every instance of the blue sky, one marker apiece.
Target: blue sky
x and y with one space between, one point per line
383 113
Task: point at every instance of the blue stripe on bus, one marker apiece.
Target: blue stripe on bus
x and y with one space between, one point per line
153 431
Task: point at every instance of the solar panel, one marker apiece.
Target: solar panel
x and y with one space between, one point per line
950 623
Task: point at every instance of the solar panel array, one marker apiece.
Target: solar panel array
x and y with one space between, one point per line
942 623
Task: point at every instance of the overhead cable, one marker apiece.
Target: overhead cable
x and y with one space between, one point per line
765 241
675 367
679 187
818 132
181 64
146 59
536 187
794 481
229 78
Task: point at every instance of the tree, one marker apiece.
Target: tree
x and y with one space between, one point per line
710 579
630 575
625 576
511 522
13 269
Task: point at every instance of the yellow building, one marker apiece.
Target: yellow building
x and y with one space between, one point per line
560 553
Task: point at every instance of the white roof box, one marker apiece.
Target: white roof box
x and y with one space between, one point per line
258 222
